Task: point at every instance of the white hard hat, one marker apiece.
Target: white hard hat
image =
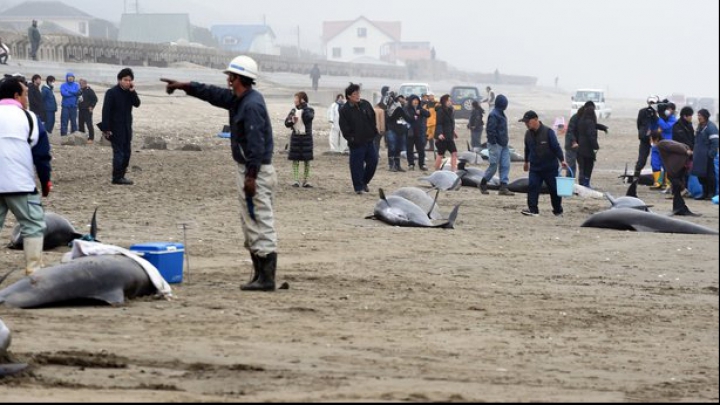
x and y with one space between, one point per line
243 66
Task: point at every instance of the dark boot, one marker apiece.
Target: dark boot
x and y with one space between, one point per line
680 208
484 187
266 274
505 191
398 168
256 271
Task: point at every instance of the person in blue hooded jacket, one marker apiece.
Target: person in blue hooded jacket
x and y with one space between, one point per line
70 91
665 124
498 142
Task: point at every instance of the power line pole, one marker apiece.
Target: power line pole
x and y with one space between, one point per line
298 45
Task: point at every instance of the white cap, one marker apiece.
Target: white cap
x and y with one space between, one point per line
243 66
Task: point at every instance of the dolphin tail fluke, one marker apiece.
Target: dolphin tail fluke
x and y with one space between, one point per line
632 190
452 218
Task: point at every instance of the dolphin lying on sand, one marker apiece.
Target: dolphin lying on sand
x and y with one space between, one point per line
7 369
108 278
421 199
444 180
630 200
398 211
629 219
58 232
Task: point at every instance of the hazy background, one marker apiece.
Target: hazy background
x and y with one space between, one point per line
631 48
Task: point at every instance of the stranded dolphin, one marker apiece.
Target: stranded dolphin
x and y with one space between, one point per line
645 179
421 199
630 200
398 211
7 369
58 232
444 180
629 219
108 278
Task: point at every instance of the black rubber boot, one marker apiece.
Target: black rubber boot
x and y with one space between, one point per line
256 271
266 274
483 186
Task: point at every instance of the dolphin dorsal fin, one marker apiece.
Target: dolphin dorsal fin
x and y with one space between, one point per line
468 145
383 197
632 190
93 225
432 207
610 198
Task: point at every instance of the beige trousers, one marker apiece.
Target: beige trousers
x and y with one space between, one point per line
260 234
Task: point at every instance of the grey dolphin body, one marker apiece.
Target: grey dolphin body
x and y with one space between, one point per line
630 200
107 278
522 185
398 211
420 198
444 180
629 219
471 177
7 369
58 232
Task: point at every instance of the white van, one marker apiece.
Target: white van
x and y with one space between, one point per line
409 89
597 96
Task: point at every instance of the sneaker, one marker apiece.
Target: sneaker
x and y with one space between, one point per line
529 213
400 169
90 141
359 192
411 168
559 214
484 187
423 168
296 184
366 189
307 185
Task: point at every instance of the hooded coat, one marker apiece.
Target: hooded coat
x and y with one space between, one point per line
497 126
70 91
301 140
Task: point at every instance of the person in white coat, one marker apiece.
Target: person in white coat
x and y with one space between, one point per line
337 142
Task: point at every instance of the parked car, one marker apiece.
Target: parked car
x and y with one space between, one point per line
462 98
597 96
409 89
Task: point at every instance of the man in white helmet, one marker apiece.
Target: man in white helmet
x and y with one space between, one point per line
252 149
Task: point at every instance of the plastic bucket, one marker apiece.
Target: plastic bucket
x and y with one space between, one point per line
565 185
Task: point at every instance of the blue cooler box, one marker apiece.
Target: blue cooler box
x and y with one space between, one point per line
166 256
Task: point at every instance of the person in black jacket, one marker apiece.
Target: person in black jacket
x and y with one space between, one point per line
476 126
251 143
416 133
683 130
571 142
646 124
397 123
300 119
445 134
587 135
359 128
117 123
542 154
35 96
86 104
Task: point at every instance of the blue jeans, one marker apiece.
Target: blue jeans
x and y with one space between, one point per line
536 179
656 160
476 137
499 156
68 114
363 163
396 143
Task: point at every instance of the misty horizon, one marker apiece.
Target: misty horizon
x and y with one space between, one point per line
630 49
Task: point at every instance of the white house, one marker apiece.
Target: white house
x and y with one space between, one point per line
359 41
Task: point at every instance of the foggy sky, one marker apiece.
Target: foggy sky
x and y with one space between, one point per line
631 48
